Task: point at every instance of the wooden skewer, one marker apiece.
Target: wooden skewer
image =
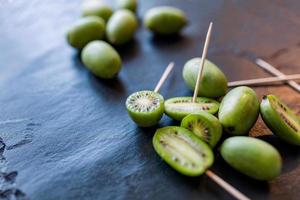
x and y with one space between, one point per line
268 67
204 53
264 80
226 186
234 192
164 76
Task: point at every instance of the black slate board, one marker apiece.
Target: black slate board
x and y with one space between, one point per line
67 134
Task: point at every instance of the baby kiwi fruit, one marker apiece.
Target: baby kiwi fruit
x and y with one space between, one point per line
179 107
204 125
252 157
145 107
239 110
183 150
213 82
280 119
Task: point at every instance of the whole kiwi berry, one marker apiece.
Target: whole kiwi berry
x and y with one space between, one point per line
252 157
96 8
213 83
127 4
239 110
165 20
121 27
85 30
101 59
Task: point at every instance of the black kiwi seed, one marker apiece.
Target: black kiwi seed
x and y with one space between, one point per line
288 122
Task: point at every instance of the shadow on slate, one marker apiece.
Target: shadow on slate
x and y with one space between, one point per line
129 50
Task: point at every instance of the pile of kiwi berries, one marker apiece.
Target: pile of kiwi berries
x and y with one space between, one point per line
188 147
100 29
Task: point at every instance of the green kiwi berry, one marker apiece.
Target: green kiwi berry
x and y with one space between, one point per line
280 119
165 20
179 107
204 125
101 59
145 108
85 30
182 150
127 4
252 157
239 110
96 8
121 27
213 82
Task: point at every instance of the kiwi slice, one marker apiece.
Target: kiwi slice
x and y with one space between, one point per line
179 107
183 150
280 119
145 107
204 125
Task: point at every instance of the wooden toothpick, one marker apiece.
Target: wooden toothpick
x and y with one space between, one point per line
234 192
164 76
226 186
204 53
268 67
258 81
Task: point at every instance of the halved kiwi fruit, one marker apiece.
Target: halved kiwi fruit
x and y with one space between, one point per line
183 150
179 107
280 119
204 125
145 107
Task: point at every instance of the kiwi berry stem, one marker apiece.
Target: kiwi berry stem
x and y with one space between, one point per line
204 53
226 186
164 76
264 80
272 70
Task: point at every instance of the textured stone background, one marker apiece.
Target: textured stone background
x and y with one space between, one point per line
65 134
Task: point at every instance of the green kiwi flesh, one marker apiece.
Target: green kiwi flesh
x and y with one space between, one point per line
145 107
183 150
204 125
179 107
252 157
280 119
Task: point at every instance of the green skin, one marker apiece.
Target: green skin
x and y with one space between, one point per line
239 110
165 20
185 150
201 121
213 83
86 30
127 4
252 157
121 27
101 59
178 111
96 8
270 112
147 119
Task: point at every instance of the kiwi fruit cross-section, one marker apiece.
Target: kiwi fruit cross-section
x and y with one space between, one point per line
204 125
145 107
179 107
280 119
183 150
